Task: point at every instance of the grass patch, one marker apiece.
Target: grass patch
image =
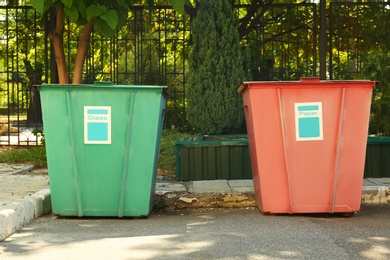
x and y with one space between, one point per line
32 155
37 155
167 156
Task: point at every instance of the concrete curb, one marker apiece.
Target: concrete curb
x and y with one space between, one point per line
21 212
24 169
15 169
376 195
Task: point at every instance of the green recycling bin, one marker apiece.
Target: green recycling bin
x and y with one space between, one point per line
377 157
102 143
213 157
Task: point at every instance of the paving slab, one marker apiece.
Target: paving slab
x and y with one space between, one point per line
18 186
209 186
165 187
241 185
6 168
377 182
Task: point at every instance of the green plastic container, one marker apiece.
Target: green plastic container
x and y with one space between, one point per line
213 157
102 144
377 157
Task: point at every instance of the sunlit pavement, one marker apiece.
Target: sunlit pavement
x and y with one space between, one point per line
209 234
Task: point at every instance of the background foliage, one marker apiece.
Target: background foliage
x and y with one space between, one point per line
377 67
216 69
153 48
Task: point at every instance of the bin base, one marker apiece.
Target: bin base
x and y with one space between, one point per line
102 213
343 209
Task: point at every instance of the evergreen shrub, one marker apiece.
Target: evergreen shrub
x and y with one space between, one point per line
218 66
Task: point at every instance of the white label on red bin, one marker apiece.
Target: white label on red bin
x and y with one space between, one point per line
97 125
308 121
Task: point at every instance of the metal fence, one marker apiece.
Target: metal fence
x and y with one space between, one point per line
153 48
20 69
283 39
356 30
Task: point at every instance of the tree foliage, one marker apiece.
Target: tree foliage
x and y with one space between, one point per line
377 67
105 16
217 68
360 51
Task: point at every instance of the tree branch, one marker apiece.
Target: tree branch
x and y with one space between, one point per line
250 20
82 52
56 38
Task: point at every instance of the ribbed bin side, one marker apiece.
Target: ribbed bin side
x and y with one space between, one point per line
90 177
213 159
308 143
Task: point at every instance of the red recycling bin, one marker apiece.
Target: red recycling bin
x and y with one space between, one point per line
307 142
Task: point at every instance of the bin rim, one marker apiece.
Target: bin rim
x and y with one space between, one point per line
304 82
378 140
102 85
214 140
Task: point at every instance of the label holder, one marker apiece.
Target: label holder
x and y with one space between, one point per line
97 125
308 121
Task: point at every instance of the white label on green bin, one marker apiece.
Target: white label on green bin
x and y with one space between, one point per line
97 125
308 121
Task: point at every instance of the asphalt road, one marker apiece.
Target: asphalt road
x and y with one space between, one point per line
219 234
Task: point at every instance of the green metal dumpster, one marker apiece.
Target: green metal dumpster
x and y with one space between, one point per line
377 157
213 157
102 144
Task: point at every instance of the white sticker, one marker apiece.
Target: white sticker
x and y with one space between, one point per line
308 121
97 125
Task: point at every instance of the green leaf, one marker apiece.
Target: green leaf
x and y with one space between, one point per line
111 17
123 4
42 5
72 12
178 5
95 11
103 27
80 5
122 18
81 21
38 5
67 3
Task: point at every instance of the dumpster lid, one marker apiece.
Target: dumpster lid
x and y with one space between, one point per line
106 84
378 140
212 140
103 85
303 82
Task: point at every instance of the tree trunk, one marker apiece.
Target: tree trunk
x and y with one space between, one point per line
56 38
50 27
82 52
34 114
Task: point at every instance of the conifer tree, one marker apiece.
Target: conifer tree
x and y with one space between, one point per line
217 68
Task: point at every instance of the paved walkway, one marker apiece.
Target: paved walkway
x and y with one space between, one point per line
17 182
25 194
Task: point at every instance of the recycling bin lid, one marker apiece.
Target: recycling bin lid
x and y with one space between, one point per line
100 84
304 82
378 140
